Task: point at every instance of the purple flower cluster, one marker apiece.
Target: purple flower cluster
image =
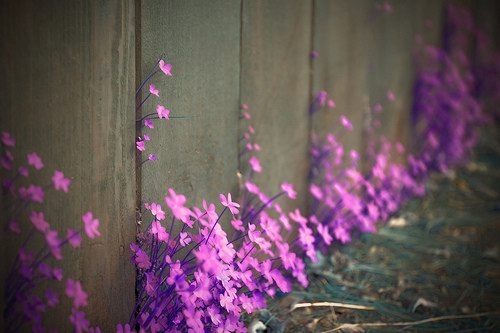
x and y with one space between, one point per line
29 294
344 198
446 120
446 113
195 276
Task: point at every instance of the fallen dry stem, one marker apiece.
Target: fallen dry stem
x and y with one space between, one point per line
331 304
413 323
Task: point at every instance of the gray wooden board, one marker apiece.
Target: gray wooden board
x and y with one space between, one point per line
276 39
342 31
391 67
67 85
198 155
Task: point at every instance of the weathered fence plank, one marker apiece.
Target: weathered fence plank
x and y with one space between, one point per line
341 38
391 67
67 83
276 39
197 155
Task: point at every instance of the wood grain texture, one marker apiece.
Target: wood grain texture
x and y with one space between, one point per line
391 67
275 79
342 33
197 155
67 84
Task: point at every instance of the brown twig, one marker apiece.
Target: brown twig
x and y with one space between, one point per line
413 323
331 304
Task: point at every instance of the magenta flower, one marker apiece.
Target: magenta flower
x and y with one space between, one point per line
227 202
54 243
346 123
7 139
255 164
77 318
38 220
391 97
162 112
148 123
75 291
157 211
14 227
152 157
314 54
140 145
153 90
74 237
165 68
91 225
331 104
210 211
146 137
23 171
51 296
176 203
142 259
35 161
288 188
59 182
184 239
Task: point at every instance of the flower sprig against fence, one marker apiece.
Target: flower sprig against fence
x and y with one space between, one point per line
30 290
197 275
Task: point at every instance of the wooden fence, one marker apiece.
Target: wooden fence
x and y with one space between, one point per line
70 69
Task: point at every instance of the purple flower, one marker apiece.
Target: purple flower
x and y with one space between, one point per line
91 225
35 161
60 182
7 139
162 112
75 291
77 318
54 243
288 188
165 68
255 164
74 237
345 122
38 220
227 202
153 90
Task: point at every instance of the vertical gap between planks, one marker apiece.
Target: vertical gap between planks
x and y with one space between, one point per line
311 96
138 155
238 124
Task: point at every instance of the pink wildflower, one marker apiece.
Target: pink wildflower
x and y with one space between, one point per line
77 318
74 237
227 202
391 97
346 123
255 164
75 291
162 112
153 90
184 239
91 225
140 145
288 188
165 68
59 182
176 203
54 243
157 211
148 123
7 139
38 220
35 161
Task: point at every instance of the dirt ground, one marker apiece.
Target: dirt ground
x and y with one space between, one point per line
435 267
